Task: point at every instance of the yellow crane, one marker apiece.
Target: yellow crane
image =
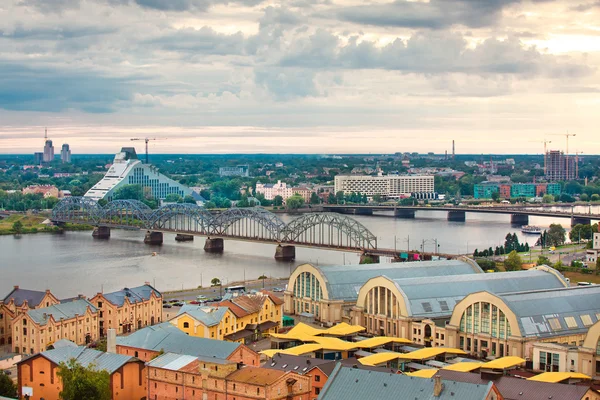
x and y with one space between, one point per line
147 140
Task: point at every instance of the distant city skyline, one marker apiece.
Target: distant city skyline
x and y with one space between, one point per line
301 76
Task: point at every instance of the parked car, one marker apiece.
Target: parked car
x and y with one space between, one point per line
178 304
173 301
277 289
194 302
201 297
167 306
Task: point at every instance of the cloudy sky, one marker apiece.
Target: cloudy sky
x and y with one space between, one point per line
300 76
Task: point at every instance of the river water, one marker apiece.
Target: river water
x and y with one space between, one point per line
75 263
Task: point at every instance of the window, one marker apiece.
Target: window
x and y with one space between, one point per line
317 390
571 323
554 324
587 320
186 324
317 378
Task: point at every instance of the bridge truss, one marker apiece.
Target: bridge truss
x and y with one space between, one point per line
328 230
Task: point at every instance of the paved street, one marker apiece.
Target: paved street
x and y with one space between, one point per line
211 292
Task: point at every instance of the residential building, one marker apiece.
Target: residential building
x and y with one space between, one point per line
151 341
40 372
240 170
271 190
173 376
65 154
512 322
129 309
485 190
48 151
560 167
389 186
127 169
38 158
359 384
44 190
242 319
513 388
592 254
20 301
74 320
418 308
328 293
303 192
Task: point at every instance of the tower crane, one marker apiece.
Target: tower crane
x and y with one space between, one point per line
147 140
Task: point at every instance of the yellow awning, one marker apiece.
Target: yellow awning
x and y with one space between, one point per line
556 377
270 352
380 358
430 352
504 363
423 373
343 329
302 349
466 366
379 341
336 344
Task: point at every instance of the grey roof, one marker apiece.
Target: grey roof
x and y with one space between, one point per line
102 361
519 389
63 343
209 316
62 310
298 364
136 294
435 297
535 310
169 338
19 295
171 361
352 383
344 281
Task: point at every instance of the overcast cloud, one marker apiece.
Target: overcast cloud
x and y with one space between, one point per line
300 75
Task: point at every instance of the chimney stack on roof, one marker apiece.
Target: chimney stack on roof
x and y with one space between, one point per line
16 286
438 386
111 341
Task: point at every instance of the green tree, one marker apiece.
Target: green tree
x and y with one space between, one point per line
189 199
339 197
580 231
294 202
7 387
129 192
331 199
409 201
597 264
547 199
513 262
278 201
377 198
496 196
173 198
595 197
83 382
543 260
210 204
17 227
314 198
556 235
215 282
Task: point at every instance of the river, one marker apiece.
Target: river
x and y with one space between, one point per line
74 263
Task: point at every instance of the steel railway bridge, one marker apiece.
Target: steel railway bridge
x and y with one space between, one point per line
318 230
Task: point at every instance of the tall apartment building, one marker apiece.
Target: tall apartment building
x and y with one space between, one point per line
48 151
390 186
38 158
485 190
240 170
560 167
65 154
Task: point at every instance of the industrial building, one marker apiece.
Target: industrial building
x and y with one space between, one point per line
127 169
389 186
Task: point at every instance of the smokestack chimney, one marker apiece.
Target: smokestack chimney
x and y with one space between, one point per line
438 386
452 149
111 341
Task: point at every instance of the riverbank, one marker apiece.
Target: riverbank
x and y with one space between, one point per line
35 224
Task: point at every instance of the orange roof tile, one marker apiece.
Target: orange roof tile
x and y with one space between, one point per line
235 309
256 375
277 300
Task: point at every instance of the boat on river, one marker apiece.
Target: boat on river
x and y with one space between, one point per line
532 230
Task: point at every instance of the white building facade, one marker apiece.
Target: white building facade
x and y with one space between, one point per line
270 190
390 186
128 170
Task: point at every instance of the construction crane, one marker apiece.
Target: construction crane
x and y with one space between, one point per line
567 135
577 153
147 140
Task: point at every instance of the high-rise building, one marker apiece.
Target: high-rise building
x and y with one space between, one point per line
65 154
38 157
48 151
560 167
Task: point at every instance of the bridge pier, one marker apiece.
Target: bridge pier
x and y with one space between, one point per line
519 219
458 216
404 213
369 259
363 211
184 238
580 220
285 253
153 238
101 232
213 245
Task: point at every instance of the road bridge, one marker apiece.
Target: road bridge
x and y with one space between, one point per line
323 230
518 215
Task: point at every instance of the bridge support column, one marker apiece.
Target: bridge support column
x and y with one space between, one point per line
184 238
580 220
153 237
458 216
101 232
363 211
285 253
369 259
213 245
404 213
519 219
